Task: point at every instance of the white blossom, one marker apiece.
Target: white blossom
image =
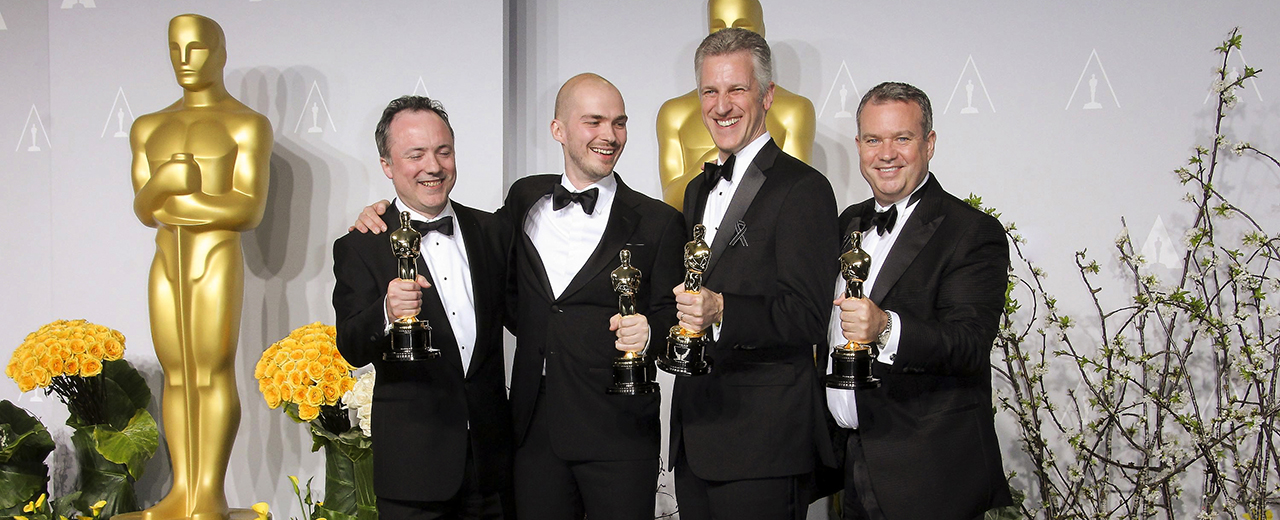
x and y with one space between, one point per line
360 398
1218 86
1239 147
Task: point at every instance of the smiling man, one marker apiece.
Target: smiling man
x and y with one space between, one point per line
580 450
923 444
441 427
744 437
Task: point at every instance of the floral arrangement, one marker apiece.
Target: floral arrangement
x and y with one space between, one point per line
41 509
305 373
107 399
24 446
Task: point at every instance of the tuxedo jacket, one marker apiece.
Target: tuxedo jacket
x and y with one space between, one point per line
570 333
421 409
759 413
928 432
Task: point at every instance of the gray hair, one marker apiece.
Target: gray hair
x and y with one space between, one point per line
734 39
403 104
894 91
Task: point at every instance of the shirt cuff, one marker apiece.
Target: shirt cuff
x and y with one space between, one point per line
386 320
889 350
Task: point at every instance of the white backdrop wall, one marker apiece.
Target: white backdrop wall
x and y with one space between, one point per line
1064 173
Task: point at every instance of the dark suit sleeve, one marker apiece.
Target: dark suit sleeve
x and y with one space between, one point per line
668 273
805 244
358 302
956 338
510 230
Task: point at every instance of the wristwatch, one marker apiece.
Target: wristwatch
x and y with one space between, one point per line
883 338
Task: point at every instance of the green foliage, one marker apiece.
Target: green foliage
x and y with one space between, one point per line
24 446
1180 384
133 445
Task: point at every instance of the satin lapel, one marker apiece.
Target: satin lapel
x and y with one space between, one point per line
919 229
534 263
473 241
623 219
752 179
693 212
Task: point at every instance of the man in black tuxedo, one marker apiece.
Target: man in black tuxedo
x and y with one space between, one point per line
580 450
923 444
441 427
745 436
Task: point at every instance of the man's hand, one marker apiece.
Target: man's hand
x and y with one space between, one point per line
633 332
861 320
698 311
404 297
370 218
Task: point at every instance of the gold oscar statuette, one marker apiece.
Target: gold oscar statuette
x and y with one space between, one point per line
851 364
633 374
200 176
410 337
686 349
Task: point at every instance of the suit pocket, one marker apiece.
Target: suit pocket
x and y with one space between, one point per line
759 374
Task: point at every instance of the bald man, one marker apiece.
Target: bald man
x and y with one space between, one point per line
580 450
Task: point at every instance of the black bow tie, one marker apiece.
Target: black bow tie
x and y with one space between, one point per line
561 197
443 225
884 220
715 172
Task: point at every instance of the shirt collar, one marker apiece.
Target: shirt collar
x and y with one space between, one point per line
903 202
604 199
446 212
748 154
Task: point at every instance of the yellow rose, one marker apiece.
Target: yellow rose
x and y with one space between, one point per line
96 350
279 377
348 383
279 357
259 369
286 391
270 371
315 370
325 359
39 350
272 394
53 365
60 351
90 367
298 333
115 349
331 393
315 396
72 366
26 381
43 377
307 412
296 355
29 364
296 377
299 394
311 353
331 375
77 346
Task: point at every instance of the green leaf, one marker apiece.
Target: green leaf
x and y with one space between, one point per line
132 446
24 446
101 479
126 391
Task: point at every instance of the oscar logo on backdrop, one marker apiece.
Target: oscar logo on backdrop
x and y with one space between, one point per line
684 143
200 170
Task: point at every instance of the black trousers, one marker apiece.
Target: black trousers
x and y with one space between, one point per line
551 488
779 498
470 502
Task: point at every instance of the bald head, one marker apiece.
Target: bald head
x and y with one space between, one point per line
569 91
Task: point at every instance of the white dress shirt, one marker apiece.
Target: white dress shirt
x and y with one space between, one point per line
841 402
722 194
446 258
566 238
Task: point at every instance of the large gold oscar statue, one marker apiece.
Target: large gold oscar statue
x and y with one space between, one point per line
684 143
200 171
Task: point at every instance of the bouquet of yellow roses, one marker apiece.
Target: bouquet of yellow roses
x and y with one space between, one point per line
107 399
306 375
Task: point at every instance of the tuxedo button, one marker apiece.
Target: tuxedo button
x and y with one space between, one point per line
893 357
556 308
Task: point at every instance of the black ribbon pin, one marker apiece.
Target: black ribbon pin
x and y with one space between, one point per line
739 235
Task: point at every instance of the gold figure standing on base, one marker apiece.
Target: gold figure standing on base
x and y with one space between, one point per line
684 143
200 170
